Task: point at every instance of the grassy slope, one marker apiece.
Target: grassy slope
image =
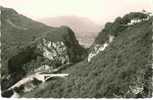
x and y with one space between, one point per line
126 62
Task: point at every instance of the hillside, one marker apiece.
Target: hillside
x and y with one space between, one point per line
27 45
123 69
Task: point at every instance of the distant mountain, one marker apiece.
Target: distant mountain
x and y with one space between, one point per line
119 62
20 40
86 30
121 66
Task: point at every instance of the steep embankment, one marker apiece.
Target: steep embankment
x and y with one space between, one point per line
28 45
123 69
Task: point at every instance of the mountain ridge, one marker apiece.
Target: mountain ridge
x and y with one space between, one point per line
21 35
122 70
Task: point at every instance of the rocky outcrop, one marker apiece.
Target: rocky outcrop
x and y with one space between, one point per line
29 46
97 48
55 51
56 55
138 20
112 30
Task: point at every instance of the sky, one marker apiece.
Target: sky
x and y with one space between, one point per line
99 11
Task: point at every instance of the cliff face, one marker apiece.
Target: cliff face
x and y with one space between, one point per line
28 45
122 69
97 48
54 51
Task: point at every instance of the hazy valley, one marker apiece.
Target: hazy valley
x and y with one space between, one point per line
85 29
51 60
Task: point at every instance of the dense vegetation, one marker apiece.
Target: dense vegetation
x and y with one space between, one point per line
122 68
20 37
119 25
